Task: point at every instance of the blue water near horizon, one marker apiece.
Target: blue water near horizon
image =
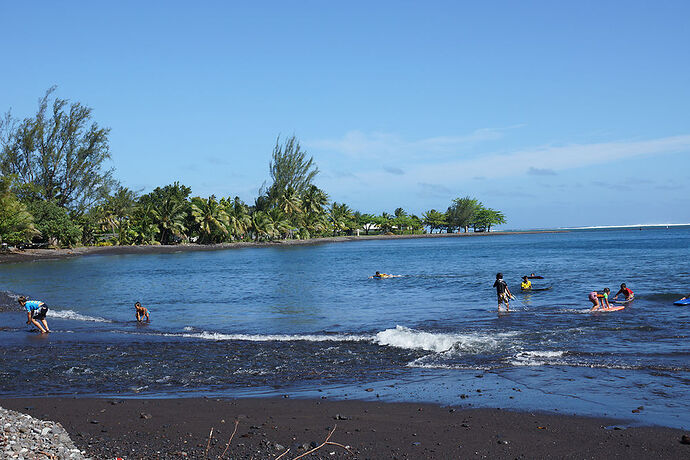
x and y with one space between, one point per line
307 321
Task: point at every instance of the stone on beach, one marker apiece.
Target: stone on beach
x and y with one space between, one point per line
26 437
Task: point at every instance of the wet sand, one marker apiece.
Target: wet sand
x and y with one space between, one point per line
29 255
180 428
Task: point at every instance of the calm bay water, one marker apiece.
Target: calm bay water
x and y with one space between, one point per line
307 321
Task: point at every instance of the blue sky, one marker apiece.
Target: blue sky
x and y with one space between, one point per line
557 114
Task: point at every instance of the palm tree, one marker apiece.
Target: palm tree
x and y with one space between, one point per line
278 223
386 223
314 200
340 216
210 216
314 224
171 218
239 219
260 225
117 211
144 220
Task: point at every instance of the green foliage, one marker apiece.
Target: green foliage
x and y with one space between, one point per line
171 211
59 154
290 169
366 222
340 218
435 220
486 217
62 192
461 213
54 224
211 217
16 223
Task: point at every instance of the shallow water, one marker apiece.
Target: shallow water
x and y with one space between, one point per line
307 321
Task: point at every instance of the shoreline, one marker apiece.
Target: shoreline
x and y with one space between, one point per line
31 255
267 427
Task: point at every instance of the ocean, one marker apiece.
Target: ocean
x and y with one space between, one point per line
307 321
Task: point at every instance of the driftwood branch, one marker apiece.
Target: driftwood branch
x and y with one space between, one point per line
283 454
327 441
237 422
208 444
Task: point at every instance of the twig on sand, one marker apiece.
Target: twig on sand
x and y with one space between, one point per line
237 422
327 441
49 455
283 454
208 444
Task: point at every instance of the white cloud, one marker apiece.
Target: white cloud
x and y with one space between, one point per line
551 158
376 145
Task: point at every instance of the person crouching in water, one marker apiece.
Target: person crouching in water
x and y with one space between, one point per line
627 292
35 310
141 312
502 292
526 284
594 297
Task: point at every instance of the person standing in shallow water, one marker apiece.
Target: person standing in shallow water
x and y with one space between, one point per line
35 310
502 292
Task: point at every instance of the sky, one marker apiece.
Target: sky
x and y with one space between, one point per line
559 114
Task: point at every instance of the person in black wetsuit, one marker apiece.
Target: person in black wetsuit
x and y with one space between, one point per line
502 292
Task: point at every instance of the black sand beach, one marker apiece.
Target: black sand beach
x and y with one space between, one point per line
180 428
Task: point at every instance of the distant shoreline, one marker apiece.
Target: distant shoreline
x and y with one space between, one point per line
31 255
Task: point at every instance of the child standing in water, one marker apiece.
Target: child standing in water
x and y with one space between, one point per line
594 297
141 312
502 292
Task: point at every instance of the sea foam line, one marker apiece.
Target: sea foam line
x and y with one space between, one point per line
398 337
71 314
273 337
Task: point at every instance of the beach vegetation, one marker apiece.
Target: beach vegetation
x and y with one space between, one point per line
60 152
461 213
57 189
16 222
435 220
54 224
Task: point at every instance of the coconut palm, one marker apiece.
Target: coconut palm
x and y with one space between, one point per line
210 216
144 220
116 212
171 218
314 224
278 222
340 217
314 200
289 202
239 219
260 226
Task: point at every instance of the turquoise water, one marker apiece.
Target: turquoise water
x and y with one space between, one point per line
307 321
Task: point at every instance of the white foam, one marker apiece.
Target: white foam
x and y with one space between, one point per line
273 337
537 358
70 314
575 310
403 337
596 227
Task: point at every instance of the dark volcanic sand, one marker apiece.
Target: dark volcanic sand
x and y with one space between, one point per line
178 428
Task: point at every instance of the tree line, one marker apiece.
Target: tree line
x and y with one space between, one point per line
55 189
